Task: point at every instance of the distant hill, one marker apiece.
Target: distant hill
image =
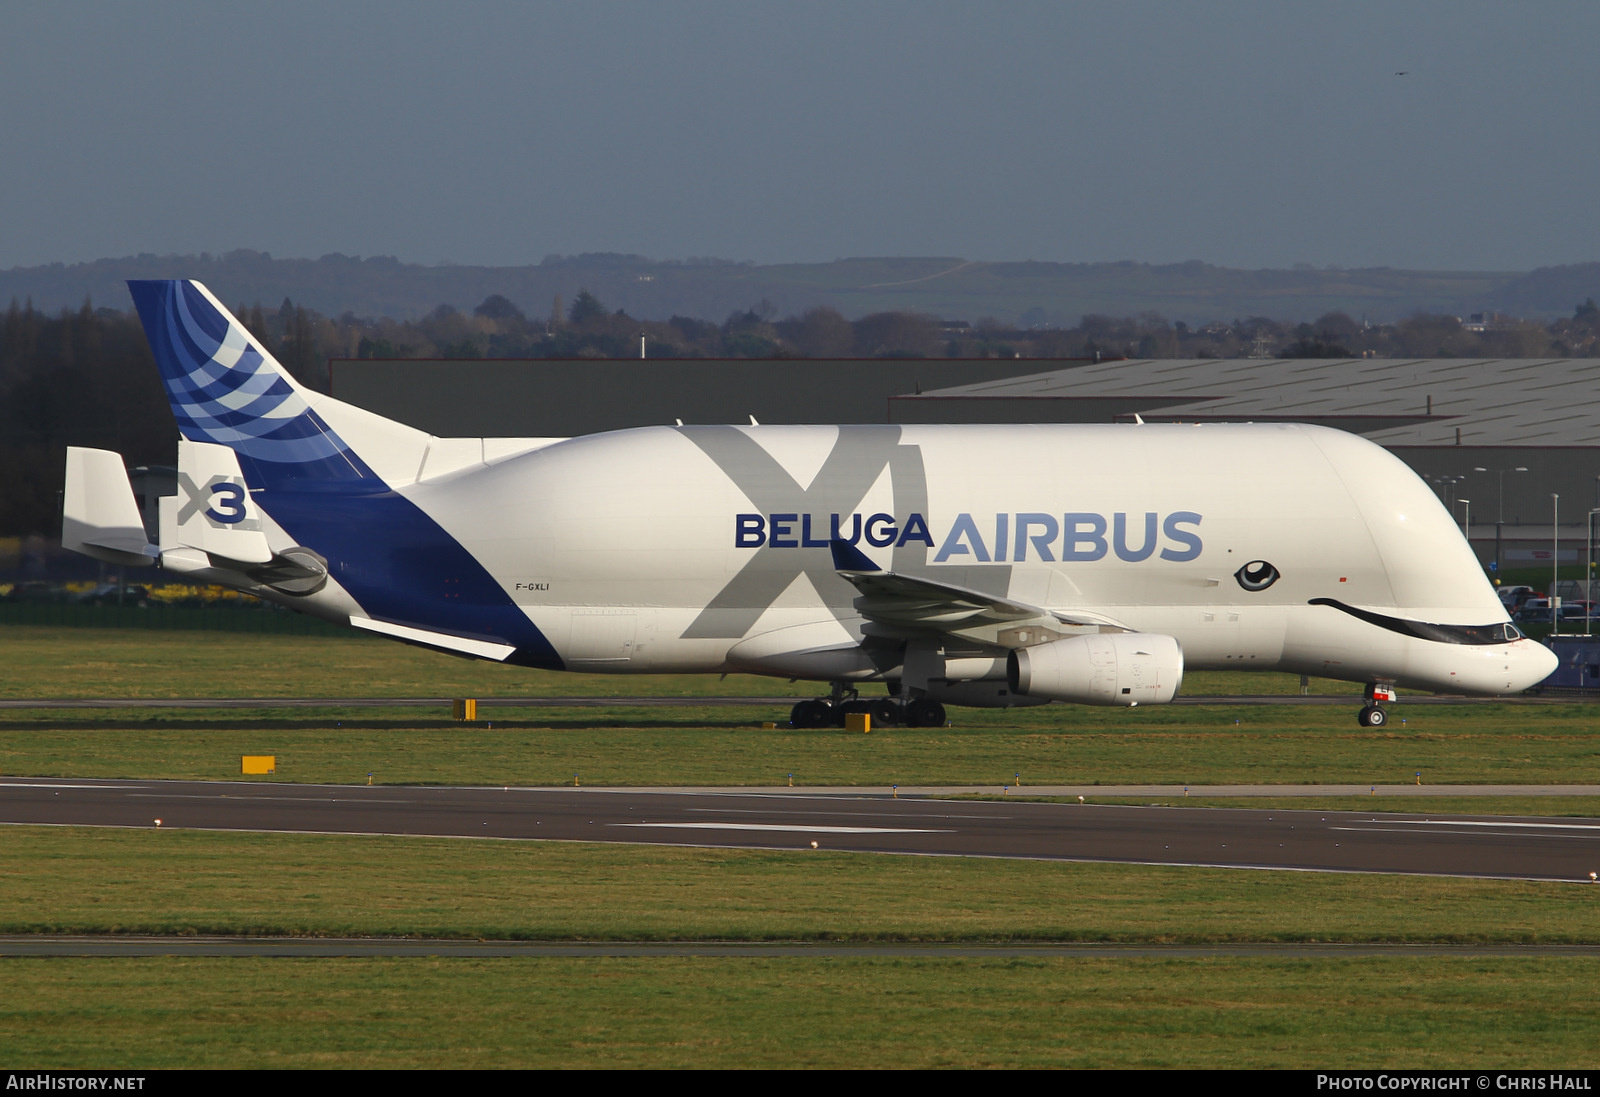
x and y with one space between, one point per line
1548 290
1029 294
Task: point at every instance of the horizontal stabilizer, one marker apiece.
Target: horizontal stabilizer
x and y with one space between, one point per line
440 641
213 510
99 516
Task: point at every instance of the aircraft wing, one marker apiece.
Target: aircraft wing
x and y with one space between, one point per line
906 603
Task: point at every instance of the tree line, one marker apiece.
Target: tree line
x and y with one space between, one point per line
585 328
86 377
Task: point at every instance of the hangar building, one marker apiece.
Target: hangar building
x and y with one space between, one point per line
1497 438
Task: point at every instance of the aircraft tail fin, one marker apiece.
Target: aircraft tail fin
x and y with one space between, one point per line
226 388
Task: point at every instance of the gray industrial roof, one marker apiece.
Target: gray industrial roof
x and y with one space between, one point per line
1395 402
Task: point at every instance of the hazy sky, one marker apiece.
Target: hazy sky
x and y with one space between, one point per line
1245 134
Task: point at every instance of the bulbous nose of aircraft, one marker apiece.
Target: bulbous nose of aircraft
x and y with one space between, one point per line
1531 663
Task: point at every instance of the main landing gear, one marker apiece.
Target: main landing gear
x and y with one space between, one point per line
1371 716
829 712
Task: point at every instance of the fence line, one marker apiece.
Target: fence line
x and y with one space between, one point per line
214 618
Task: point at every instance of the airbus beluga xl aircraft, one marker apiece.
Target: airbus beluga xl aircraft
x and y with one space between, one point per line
966 565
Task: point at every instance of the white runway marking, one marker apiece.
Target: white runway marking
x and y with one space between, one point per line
29 784
1485 833
1487 823
836 814
791 827
254 799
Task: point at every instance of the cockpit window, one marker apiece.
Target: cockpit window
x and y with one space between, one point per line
1497 633
1466 634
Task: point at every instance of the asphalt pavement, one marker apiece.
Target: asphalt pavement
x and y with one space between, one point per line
865 821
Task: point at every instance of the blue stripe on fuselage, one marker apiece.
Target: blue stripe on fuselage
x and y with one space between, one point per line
401 566
397 562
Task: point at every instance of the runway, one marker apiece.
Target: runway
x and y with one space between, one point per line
803 821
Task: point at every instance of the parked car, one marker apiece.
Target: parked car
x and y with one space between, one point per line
1534 611
114 594
1513 597
36 590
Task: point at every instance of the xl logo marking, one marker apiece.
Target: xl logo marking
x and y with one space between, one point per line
857 459
221 501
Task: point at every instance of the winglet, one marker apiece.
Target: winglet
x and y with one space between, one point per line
846 557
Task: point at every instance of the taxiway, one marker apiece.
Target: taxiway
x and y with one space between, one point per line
851 820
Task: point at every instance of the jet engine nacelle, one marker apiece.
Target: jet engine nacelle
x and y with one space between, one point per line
1116 668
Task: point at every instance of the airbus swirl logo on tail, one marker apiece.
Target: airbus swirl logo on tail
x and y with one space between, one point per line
223 388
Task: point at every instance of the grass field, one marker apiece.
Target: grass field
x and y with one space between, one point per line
1059 745
1065 744
852 1013
69 662
1250 1011
67 880
66 662
1241 1011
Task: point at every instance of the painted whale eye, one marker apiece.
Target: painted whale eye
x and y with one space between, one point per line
1256 575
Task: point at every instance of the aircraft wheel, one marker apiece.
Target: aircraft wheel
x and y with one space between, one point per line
1372 717
811 714
885 713
923 713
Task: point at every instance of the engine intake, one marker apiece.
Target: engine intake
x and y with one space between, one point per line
1116 668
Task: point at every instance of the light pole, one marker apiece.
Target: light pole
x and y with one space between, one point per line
1500 506
1450 482
1588 575
1555 561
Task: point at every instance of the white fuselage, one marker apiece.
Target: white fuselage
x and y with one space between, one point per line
673 549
